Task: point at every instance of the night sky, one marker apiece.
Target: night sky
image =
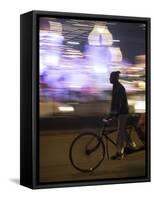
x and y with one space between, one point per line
132 39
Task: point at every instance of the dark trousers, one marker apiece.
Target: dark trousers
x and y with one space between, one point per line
123 137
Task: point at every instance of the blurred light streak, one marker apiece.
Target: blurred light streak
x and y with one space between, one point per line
100 36
140 106
66 108
71 42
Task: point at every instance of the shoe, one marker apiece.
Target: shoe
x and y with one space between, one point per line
130 147
117 156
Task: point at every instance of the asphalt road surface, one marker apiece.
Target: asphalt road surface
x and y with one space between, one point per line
55 164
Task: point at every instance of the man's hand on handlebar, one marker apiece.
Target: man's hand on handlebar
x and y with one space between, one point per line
110 117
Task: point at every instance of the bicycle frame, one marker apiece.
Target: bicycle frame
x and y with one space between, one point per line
100 137
104 134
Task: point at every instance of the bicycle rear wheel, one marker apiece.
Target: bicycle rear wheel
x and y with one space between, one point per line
87 151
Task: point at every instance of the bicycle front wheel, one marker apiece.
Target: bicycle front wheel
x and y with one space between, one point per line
87 151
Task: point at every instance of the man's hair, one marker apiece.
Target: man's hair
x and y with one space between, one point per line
115 74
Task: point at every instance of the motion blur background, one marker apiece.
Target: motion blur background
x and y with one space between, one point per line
77 57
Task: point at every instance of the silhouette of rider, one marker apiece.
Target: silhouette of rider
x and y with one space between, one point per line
120 109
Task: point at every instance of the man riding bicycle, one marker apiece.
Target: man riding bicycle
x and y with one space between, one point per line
120 109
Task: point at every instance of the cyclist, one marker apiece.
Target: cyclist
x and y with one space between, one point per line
119 109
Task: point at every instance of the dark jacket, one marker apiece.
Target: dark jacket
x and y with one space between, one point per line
119 103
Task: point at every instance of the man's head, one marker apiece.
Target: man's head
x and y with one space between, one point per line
114 77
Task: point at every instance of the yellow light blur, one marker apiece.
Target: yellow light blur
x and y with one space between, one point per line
100 31
66 108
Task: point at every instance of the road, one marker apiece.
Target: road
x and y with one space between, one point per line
55 164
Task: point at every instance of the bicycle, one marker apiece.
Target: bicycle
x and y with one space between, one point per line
88 150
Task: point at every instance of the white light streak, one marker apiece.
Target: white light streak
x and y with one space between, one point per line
66 108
